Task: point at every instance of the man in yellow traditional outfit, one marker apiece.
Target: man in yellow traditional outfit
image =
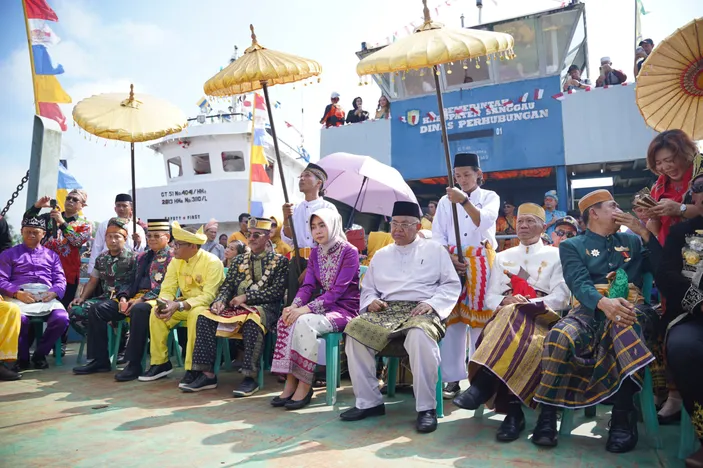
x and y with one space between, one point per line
10 324
248 303
198 275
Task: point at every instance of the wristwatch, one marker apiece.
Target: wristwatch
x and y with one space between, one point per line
181 306
683 209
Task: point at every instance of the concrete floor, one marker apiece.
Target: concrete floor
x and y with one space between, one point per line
52 418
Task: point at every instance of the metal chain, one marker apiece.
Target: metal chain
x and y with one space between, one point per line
15 194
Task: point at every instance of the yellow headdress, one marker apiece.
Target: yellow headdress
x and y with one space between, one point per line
180 234
532 209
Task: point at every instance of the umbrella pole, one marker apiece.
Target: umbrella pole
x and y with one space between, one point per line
134 195
448 159
264 85
351 217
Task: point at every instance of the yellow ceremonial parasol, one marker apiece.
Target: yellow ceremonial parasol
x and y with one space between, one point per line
260 68
431 46
132 119
670 84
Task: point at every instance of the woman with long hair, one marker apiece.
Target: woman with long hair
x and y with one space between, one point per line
233 249
333 268
383 111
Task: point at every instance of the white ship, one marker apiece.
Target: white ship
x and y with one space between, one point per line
207 170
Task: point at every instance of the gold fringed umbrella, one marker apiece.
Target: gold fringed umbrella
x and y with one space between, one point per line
430 46
260 68
670 84
133 119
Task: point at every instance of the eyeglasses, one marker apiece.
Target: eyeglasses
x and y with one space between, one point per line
180 245
403 226
254 235
568 235
74 199
154 236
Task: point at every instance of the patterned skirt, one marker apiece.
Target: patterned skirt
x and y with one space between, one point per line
231 320
586 357
471 308
379 330
511 348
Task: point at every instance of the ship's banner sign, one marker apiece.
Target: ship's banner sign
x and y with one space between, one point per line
510 126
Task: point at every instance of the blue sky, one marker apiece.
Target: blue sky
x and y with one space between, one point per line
170 48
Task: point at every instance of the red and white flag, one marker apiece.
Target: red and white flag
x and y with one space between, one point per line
38 9
42 34
538 94
523 98
432 116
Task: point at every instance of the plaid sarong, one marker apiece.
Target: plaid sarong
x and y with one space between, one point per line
586 357
471 308
378 330
511 348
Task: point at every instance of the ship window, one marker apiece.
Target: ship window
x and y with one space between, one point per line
526 62
417 82
201 163
233 161
465 77
175 167
556 29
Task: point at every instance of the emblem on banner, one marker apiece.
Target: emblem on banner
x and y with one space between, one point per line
413 117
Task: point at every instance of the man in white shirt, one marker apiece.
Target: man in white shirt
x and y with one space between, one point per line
409 288
477 212
312 181
135 241
526 288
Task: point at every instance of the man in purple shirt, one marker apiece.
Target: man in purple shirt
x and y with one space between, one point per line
32 276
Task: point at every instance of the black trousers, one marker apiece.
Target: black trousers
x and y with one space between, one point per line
70 294
138 333
99 314
684 352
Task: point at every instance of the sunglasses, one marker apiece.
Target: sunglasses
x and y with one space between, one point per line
254 235
568 235
74 199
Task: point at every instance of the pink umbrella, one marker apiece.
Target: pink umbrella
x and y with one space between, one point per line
364 183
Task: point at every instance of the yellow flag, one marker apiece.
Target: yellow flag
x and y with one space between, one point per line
257 155
49 90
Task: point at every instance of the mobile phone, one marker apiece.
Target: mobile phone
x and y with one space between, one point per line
160 304
53 203
639 50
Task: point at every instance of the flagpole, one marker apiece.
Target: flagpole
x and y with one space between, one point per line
31 58
251 150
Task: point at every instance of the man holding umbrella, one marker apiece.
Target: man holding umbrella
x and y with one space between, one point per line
478 212
312 181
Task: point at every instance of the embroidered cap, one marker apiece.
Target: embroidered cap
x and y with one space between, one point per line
532 209
263 224
317 171
567 221
552 194
158 225
597 196
404 208
34 222
466 160
117 225
82 194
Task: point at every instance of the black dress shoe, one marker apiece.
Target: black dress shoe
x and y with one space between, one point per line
39 362
21 365
470 399
92 367
356 414
129 373
511 427
247 388
426 421
545 433
8 375
299 404
278 402
623 431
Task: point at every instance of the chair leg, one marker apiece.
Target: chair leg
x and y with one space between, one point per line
393 363
144 355
218 355
228 356
567 422
687 443
58 361
438 394
81 349
332 367
591 411
260 376
649 410
116 343
175 347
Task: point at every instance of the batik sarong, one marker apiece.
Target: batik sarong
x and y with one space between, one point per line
471 308
379 330
511 348
297 346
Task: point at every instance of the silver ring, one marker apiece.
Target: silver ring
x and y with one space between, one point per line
618 318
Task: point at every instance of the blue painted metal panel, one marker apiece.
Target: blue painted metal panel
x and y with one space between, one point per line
510 126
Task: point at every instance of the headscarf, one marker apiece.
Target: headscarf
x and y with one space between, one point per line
281 247
377 240
333 221
82 194
212 224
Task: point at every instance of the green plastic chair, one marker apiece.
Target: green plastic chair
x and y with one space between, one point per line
333 369
688 442
222 352
38 324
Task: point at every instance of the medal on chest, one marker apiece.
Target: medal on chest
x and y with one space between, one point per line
692 254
